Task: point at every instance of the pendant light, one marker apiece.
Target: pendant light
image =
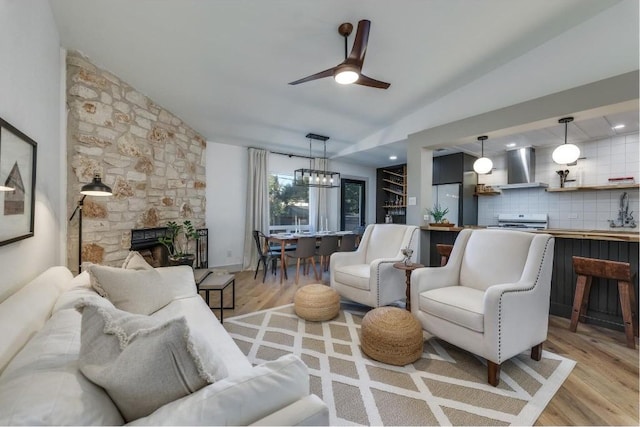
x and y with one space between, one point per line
484 164
566 153
313 177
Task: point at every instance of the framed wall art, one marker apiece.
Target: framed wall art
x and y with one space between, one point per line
17 184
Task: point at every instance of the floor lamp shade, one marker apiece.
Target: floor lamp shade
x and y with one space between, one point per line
95 188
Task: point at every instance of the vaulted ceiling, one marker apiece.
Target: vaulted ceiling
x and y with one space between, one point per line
223 65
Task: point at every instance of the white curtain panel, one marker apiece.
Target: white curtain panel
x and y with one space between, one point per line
257 216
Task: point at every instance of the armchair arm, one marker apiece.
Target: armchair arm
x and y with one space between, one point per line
339 259
516 317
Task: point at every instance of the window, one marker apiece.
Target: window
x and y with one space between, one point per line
287 202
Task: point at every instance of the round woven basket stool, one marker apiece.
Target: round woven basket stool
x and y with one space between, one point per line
316 302
391 335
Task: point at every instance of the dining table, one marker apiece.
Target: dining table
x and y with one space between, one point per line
284 239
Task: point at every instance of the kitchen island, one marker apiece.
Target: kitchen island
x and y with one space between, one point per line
616 245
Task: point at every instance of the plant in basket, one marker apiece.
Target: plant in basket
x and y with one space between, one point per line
438 214
177 240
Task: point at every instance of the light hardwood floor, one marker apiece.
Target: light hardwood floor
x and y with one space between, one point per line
601 390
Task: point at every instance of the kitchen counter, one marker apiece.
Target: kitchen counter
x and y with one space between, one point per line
628 235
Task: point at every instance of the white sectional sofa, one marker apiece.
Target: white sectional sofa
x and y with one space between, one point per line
41 382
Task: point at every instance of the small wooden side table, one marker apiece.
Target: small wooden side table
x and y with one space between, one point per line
218 282
408 268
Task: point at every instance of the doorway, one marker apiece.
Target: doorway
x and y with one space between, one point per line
352 204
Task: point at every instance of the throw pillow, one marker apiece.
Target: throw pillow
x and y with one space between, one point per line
143 363
135 291
135 261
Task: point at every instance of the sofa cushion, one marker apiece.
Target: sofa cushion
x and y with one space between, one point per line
43 385
241 399
356 275
135 261
25 312
457 304
143 362
140 291
385 241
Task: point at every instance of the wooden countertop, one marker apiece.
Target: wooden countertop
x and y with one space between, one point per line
612 235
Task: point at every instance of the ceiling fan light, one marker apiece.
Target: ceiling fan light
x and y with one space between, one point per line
565 154
483 165
346 77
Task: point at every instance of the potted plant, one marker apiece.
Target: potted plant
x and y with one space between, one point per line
177 239
438 214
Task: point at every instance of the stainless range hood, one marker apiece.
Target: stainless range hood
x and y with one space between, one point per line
521 169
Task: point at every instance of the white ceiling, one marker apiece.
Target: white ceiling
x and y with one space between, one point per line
223 65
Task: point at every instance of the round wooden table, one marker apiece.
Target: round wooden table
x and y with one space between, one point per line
408 268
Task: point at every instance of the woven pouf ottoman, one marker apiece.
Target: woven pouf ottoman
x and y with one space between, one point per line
391 335
316 302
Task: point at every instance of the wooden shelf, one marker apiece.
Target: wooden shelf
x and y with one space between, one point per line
594 187
487 193
399 193
394 206
404 177
401 184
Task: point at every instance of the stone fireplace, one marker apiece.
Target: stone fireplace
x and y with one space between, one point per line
153 161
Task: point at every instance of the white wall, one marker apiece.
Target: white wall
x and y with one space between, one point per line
30 75
617 156
226 197
226 203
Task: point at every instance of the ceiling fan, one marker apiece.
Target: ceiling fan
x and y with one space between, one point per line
350 70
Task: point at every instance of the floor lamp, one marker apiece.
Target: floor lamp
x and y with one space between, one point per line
94 188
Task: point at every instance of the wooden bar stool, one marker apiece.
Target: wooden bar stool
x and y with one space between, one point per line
586 269
445 252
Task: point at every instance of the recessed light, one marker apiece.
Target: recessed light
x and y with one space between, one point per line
620 126
393 157
511 144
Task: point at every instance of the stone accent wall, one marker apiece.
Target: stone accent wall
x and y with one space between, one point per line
154 163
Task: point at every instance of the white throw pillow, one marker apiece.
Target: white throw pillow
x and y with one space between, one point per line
135 261
135 291
143 363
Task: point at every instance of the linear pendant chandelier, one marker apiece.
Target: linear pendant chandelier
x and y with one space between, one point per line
313 177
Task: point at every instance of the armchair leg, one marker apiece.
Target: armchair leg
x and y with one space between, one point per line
493 371
536 352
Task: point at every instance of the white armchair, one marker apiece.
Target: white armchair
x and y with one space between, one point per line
367 275
492 297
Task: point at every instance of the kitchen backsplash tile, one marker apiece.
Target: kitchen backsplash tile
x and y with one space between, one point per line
617 156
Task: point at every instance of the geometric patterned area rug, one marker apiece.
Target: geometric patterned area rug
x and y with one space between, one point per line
446 386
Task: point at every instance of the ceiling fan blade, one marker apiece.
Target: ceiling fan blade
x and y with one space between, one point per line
359 48
368 81
316 76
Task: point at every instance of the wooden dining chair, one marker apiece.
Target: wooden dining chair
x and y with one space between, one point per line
305 250
348 243
328 245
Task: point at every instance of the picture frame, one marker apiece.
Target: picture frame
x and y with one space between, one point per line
18 154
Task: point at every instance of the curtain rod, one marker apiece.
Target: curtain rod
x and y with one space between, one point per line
291 155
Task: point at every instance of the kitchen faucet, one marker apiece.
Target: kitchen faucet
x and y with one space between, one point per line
625 218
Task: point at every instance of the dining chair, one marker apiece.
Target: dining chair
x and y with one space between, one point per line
328 245
305 250
266 255
348 243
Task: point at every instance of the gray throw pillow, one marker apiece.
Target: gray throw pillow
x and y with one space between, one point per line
135 291
143 363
